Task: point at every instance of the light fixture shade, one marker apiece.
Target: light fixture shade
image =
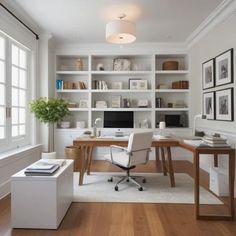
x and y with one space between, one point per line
120 32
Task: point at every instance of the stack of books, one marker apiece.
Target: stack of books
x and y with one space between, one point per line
215 141
42 168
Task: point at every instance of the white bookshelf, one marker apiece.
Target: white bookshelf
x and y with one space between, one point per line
143 67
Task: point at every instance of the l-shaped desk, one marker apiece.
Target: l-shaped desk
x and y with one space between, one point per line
87 145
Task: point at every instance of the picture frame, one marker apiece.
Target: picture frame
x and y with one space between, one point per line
224 104
224 68
100 104
116 101
83 103
208 74
138 84
209 105
121 64
116 85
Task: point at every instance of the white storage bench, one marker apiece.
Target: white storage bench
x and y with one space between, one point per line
41 201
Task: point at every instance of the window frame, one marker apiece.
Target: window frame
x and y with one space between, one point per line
10 143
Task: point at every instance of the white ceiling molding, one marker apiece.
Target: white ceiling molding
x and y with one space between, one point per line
225 9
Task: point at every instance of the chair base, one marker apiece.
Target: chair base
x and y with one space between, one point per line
128 178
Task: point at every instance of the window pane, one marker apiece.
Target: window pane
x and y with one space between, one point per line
2 94
22 98
2 71
2 133
14 76
14 131
22 59
22 82
14 116
2 115
2 48
15 97
22 129
22 116
15 55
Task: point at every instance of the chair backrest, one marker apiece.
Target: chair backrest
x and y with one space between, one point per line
139 146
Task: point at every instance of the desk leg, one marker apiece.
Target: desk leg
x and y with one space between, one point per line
215 160
83 163
89 159
170 165
163 162
196 183
157 156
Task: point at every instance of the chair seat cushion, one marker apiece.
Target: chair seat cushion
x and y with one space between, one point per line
120 158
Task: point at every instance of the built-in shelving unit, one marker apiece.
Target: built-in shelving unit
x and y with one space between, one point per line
87 81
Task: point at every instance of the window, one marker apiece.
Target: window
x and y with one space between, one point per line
14 71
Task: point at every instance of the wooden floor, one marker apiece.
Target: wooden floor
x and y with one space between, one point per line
114 219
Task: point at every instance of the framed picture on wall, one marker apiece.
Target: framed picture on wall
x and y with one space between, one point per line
224 105
208 75
209 105
224 68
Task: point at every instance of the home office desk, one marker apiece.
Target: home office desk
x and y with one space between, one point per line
87 144
197 151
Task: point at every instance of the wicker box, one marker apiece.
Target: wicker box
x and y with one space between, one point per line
182 84
73 152
170 65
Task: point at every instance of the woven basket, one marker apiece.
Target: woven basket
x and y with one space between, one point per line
73 152
170 65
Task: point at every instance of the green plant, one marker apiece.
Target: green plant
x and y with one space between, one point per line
49 110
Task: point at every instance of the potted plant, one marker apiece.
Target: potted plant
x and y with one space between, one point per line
49 111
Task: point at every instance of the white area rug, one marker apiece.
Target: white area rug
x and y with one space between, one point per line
96 188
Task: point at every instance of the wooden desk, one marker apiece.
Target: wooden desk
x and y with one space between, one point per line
87 145
197 151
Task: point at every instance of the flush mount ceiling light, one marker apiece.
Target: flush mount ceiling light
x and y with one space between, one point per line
120 31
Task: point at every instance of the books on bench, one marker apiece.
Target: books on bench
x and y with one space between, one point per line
42 168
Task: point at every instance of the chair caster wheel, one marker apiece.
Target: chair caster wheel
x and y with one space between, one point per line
140 189
116 188
127 180
110 180
144 181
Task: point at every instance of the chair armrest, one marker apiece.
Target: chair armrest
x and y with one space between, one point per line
118 147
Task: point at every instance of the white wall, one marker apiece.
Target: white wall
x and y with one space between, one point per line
218 40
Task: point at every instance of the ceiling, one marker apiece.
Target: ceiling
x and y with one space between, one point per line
84 21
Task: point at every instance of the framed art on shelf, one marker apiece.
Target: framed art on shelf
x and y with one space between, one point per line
208 74
209 105
224 68
224 105
137 84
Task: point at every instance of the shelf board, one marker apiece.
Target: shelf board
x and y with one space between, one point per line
121 72
172 90
71 72
122 109
120 91
72 90
172 109
78 109
172 72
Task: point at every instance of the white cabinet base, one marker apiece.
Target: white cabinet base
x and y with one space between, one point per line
41 201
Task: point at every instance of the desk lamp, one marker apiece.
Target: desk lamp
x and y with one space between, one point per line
195 119
96 122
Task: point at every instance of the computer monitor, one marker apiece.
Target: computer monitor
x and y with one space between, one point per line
173 121
118 119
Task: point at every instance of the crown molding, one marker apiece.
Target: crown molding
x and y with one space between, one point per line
226 8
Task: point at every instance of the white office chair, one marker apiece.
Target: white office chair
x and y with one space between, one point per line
127 158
